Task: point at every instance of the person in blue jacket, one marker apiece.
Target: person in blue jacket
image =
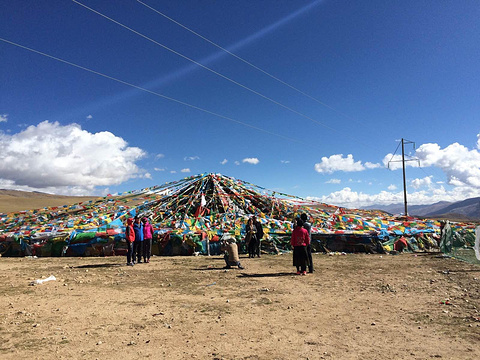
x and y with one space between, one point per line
138 243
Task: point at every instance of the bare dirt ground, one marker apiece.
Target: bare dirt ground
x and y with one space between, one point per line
352 307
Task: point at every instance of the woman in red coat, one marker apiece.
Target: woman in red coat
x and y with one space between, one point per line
299 241
130 237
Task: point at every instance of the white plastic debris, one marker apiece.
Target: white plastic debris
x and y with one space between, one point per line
41 281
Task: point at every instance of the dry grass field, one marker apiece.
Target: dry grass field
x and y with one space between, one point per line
13 200
353 307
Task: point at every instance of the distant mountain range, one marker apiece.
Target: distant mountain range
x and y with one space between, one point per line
461 210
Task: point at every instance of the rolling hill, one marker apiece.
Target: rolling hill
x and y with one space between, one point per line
14 200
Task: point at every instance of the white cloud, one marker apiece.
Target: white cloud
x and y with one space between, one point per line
333 181
418 183
253 161
159 156
147 175
186 170
353 199
173 172
370 165
3 118
460 165
191 158
65 190
66 159
159 169
224 161
429 195
89 117
237 162
394 162
339 163
285 161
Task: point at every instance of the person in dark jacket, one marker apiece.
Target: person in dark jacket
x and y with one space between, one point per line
251 238
138 244
308 227
259 228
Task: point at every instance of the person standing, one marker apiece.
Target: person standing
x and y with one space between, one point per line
251 238
147 239
138 244
307 226
130 237
299 242
259 228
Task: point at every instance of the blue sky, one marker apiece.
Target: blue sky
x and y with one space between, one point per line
355 78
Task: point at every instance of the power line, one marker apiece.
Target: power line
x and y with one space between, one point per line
150 91
211 70
154 93
246 61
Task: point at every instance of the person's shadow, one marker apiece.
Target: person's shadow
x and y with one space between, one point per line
266 275
94 266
